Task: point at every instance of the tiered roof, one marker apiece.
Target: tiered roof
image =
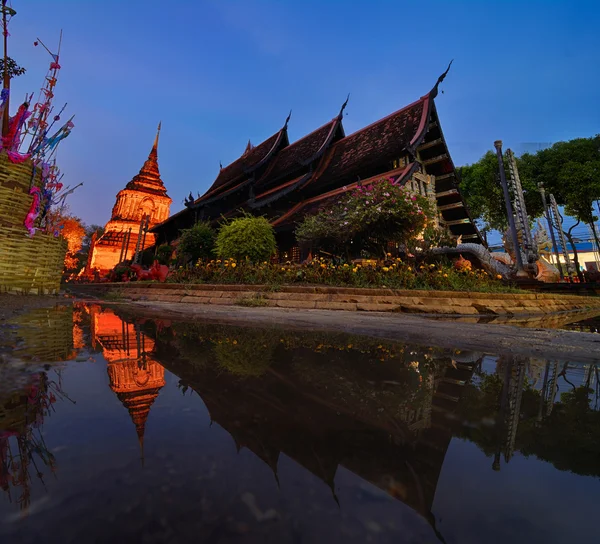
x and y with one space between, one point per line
148 180
239 170
382 141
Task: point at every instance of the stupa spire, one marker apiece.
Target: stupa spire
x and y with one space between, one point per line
155 146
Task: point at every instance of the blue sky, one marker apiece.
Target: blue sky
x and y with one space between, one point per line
219 72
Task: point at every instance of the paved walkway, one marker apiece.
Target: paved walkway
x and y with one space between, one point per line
550 344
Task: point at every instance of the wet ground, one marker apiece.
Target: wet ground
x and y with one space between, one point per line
117 428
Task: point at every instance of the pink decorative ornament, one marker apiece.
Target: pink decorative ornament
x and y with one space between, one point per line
34 211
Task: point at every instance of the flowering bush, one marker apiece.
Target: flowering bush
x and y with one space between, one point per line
391 273
366 219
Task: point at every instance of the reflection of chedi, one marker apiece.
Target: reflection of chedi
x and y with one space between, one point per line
134 376
144 195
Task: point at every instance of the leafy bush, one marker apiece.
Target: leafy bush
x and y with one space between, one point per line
163 254
366 219
248 237
197 242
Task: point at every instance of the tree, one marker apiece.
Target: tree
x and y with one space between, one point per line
581 188
246 237
73 231
480 186
545 166
367 219
197 242
14 70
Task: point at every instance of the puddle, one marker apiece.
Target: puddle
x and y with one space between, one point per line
140 430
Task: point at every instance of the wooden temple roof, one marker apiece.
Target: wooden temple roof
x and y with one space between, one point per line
326 162
299 154
384 140
253 158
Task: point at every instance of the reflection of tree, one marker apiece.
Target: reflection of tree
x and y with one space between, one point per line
503 413
23 451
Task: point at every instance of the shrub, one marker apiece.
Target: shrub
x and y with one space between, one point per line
197 242
163 254
246 238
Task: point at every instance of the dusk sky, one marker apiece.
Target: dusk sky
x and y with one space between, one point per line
218 73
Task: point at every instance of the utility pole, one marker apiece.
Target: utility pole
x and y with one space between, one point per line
509 211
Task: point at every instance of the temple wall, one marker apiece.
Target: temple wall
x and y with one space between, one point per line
133 205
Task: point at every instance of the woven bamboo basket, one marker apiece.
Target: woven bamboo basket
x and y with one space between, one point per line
27 265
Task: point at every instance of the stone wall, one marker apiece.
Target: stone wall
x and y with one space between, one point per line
340 298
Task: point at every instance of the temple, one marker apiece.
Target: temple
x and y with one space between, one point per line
144 198
284 181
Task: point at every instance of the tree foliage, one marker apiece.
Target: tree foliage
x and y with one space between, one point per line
480 186
73 231
14 70
163 254
246 237
569 170
197 242
366 219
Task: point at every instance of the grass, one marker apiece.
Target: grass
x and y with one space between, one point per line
256 301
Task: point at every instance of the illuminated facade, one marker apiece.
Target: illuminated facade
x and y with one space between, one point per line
144 196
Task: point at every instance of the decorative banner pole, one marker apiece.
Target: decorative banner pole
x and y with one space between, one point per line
6 76
561 234
521 209
551 228
509 211
136 255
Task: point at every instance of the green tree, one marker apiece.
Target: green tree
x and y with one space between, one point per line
480 186
366 219
14 70
246 237
197 242
580 183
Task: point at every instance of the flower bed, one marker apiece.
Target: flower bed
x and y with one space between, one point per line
392 273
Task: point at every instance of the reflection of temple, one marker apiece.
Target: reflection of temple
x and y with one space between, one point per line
397 445
144 196
134 375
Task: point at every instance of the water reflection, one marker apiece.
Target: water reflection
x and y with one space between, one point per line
134 375
385 414
23 451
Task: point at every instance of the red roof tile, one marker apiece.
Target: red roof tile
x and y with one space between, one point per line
384 140
299 153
